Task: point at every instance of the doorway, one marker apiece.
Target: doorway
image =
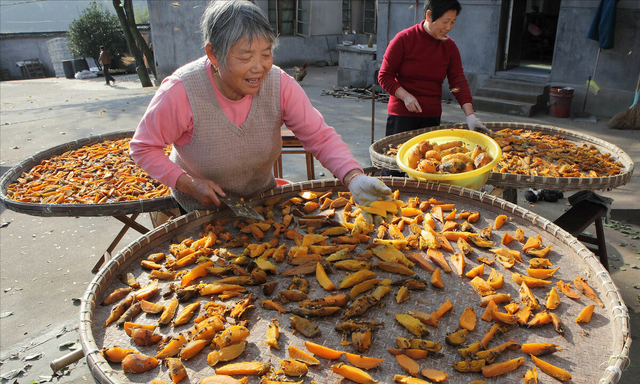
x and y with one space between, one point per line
527 36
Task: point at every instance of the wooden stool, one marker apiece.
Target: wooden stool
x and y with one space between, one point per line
581 216
291 145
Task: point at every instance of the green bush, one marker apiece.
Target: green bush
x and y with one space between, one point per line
95 27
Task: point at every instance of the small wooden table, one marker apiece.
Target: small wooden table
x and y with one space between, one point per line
291 145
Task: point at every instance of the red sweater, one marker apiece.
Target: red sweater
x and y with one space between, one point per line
419 63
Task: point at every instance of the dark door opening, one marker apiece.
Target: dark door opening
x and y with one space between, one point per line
527 34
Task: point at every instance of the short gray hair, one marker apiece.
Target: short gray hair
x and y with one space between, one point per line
225 22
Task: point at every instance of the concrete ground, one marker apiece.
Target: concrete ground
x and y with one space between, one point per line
45 263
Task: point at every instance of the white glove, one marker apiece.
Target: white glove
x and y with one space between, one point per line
475 124
366 189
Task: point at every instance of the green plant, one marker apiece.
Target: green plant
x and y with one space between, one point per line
96 26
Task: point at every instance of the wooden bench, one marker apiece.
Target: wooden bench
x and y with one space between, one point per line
579 218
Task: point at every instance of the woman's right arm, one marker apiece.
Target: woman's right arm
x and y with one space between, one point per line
168 120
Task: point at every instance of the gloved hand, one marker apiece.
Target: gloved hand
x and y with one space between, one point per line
476 125
366 189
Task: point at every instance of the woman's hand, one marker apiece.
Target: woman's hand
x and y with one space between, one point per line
366 189
475 124
205 191
409 100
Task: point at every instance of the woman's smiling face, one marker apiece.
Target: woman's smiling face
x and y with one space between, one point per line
439 28
247 65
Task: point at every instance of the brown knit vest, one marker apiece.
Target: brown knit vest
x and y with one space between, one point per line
237 158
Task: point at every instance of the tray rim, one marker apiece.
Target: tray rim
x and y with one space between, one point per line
511 180
71 210
104 374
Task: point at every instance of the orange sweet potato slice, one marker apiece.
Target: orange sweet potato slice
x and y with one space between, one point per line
473 217
437 258
138 363
363 362
353 373
585 289
497 369
434 375
499 222
458 263
551 369
585 314
436 279
539 349
408 364
488 311
246 368
476 271
468 319
322 351
444 308
507 238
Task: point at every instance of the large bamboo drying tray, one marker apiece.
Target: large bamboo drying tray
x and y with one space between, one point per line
510 180
103 209
592 352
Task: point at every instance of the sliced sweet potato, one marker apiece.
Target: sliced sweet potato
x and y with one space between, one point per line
458 263
249 368
138 363
363 362
497 369
353 373
551 369
506 239
499 221
408 364
468 319
476 271
227 353
585 314
539 349
436 279
323 279
434 375
322 351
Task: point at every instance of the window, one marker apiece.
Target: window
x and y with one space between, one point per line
282 16
370 16
346 16
290 17
304 18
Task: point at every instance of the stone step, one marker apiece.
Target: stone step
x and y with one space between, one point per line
506 107
516 85
512 95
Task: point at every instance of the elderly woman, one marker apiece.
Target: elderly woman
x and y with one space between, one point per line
223 114
415 65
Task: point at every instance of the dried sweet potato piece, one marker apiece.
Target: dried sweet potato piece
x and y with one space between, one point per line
539 349
551 369
251 368
138 363
408 364
353 373
585 289
468 319
585 314
497 369
322 351
436 279
363 362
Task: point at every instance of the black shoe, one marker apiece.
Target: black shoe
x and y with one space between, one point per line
530 196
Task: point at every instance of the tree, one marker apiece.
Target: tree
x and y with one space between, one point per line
142 14
95 27
137 44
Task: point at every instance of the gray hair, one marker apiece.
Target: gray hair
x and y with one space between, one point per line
225 22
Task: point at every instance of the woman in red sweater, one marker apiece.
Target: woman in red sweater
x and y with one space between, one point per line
414 67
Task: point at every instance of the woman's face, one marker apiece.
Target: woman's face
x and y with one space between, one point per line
248 63
439 28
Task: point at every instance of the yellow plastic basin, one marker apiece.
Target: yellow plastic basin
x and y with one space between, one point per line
473 179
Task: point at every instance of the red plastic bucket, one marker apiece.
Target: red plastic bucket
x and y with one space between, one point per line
280 182
560 101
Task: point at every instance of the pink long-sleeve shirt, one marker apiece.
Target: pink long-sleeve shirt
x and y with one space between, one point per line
169 120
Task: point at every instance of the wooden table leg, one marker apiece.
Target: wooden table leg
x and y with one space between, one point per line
129 222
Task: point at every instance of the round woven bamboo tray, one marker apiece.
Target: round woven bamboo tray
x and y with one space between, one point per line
593 352
104 209
510 180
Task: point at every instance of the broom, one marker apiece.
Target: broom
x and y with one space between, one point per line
629 119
